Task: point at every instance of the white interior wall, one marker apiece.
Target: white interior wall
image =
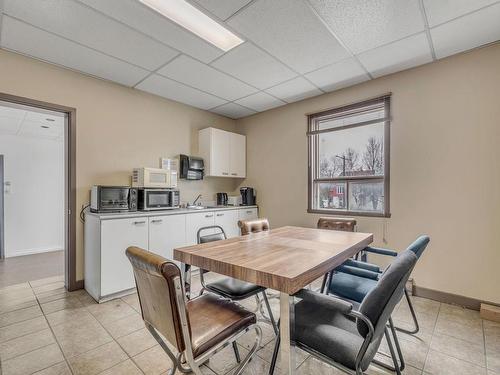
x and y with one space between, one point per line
34 217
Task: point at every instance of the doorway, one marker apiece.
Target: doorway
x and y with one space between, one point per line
37 197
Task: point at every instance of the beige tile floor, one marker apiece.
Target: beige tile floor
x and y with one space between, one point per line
46 330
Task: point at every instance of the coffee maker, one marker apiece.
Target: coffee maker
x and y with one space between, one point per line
247 196
221 199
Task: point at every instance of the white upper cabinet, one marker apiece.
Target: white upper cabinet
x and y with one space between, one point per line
224 153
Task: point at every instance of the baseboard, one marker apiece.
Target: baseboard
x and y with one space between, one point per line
32 251
453 299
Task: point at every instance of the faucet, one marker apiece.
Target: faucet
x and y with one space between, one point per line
196 200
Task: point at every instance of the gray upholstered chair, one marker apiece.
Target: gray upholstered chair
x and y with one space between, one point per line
355 279
333 330
189 331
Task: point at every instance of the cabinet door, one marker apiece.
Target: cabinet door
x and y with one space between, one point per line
228 220
166 233
116 236
220 153
237 155
248 213
196 221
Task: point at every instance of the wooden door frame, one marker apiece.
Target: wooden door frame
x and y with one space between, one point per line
70 181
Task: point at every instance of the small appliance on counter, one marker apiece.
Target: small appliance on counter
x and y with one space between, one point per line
234 200
154 178
191 167
113 199
247 196
158 199
222 199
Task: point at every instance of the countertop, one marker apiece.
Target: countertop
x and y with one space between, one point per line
177 211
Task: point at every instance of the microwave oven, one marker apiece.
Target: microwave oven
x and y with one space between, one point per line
113 199
154 178
158 199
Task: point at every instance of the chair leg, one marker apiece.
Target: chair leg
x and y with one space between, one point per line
326 282
269 311
396 368
275 354
201 291
236 352
249 356
398 346
413 315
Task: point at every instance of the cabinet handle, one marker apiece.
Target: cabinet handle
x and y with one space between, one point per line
234 174
156 221
220 214
209 215
139 222
249 212
225 173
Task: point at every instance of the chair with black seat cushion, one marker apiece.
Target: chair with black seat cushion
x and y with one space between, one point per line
228 287
332 330
189 331
354 279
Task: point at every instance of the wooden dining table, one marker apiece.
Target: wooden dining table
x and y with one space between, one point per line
285 259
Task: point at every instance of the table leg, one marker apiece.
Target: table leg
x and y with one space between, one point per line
287 313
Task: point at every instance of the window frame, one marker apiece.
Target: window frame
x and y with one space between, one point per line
313 157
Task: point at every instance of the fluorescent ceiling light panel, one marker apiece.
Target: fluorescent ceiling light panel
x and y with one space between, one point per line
194 20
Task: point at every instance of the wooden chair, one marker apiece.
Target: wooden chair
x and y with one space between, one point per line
253 226
191 331
346 224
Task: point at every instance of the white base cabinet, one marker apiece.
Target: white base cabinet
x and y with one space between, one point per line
108 273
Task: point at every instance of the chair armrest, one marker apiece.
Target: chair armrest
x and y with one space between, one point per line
329 302
364 265
378 250
355 271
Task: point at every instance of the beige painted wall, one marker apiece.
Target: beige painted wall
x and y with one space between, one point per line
117 128
445 177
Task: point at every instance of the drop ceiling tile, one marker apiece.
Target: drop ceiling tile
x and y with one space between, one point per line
232 110
363 25
35 129
294 90
7 111
144 19
397 56
28 40
79 23
205 78
260 102
439 11
254 66
9 125
161 86
467 32
336 76
222 8
290 31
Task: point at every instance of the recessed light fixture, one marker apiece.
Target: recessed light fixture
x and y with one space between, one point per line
194 20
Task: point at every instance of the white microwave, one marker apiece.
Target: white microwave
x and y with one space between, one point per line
154 178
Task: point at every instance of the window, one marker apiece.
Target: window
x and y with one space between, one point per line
349 159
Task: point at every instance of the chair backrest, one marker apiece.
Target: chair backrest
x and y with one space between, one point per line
218 236
154 278
418 246
380 302
253 226
337 223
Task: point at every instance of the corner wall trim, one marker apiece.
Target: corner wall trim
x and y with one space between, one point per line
453 299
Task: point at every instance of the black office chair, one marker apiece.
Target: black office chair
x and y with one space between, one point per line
228 287
344 335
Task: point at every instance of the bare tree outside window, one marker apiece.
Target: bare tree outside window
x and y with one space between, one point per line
348 159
